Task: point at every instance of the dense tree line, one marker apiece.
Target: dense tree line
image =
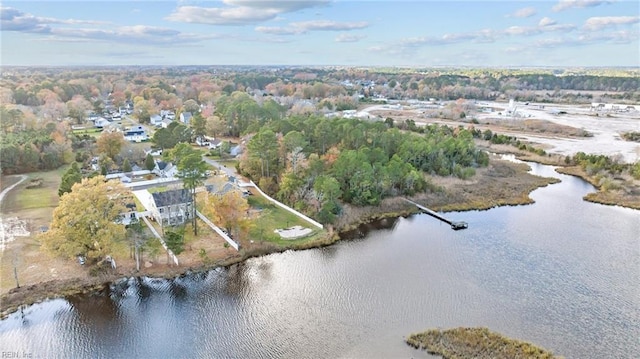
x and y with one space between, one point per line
314 163
31 149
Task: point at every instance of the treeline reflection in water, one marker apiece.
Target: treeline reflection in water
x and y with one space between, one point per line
561 273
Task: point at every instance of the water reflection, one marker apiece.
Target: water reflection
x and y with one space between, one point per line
562 273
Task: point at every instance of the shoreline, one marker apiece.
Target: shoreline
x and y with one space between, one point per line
455 195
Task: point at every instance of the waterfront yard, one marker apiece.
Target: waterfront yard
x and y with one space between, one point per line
269 217
33 202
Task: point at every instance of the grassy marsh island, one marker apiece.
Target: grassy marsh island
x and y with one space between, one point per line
478 343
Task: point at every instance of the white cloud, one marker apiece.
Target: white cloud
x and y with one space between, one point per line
598 23
545 21
409 46
221 16
349 38
280 5
521 30
239 12
16 20
326 25
572 4
277 30
524 12
139 35
616 37
313 25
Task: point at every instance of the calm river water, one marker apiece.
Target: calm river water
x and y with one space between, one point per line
562 273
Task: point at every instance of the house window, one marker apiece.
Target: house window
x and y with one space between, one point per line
161 210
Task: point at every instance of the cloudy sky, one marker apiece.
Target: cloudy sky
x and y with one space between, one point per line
321 32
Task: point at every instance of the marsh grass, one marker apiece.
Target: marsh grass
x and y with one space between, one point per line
479 343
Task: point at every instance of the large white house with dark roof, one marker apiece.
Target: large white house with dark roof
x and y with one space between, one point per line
169 208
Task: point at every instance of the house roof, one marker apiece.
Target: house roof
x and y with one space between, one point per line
167 198
161 165
220 189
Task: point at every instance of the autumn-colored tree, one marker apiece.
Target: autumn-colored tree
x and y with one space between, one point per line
77 108
229 211
191 106
110 143
215 126
143 109
198 124
85 223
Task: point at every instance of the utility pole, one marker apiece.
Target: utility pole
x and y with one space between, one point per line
15 272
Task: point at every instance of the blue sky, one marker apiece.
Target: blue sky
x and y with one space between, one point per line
561 33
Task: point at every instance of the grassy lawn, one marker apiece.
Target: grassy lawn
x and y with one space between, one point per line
45 196
35 206
94 132
273 217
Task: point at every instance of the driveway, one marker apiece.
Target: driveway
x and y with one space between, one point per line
229 171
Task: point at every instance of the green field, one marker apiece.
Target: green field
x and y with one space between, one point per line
95 132
22 198
273 217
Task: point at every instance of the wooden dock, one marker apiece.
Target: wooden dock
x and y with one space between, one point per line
454 225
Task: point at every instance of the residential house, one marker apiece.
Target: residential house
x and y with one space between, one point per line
221 189
153 151
214 144
202 141
129 217
235 151
136 134
155 120
168 114
172 207
101 122
166 122
165 169
185 117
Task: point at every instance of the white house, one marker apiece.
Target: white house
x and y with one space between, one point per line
214 144
101 122
202 141
155 120
185 117
172 207
168 114
166 122
165 169
136 134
